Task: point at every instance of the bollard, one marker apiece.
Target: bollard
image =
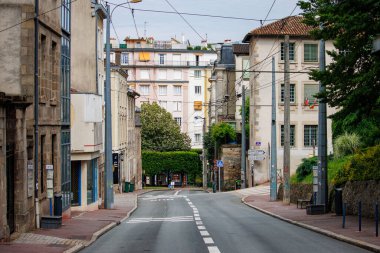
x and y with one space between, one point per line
344 215
360 216
377 219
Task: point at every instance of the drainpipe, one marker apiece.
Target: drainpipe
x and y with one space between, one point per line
36 114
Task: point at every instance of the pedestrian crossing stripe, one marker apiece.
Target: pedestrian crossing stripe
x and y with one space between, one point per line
166 219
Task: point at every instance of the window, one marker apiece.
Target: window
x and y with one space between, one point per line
310 53
198 90
112 57
65 81
162 59
310 135
163 90
177 90
65 15
144 89
246 68
178 120
163 104
144 74
177 74
177 106
197 73
197 60
292 135
291 51
162 74
124 58
197 137
292 93
310 90
138 45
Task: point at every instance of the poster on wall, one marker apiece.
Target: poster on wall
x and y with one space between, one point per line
30 171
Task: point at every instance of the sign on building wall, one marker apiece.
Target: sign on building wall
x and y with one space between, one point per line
49 180
30 171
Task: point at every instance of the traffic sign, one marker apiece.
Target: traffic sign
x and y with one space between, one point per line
259 152
258 143
258 158
219 163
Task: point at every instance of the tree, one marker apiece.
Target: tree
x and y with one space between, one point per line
352 79
222 133
160 132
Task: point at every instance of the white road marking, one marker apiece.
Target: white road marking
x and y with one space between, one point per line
190 203
213 249
199 222
168 219
197 218
208 240
195 212
196 215
201 227
176 193
204 233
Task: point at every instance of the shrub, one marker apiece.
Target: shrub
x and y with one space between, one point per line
223 133
362 166
306 167
197 48
346 144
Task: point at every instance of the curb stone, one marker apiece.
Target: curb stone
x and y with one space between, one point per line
355 242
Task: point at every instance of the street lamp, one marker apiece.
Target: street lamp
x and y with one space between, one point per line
322 198
204 161
108 178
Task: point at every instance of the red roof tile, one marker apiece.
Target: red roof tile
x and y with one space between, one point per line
240 49
291 26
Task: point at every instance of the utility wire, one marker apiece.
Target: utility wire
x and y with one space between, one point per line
197 14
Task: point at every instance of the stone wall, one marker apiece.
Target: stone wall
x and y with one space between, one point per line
231 157
368 192
297 191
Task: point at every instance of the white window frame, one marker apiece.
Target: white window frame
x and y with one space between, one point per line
177 90
177 106
199 73
161 59
197 138
163 90
144 90
291 44
282 93
124 56
178 120
198 90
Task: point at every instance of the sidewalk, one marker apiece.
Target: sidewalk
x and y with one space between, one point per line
327 224
76 233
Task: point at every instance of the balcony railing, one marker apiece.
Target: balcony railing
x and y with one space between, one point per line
169 63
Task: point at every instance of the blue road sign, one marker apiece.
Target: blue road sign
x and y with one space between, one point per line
219 163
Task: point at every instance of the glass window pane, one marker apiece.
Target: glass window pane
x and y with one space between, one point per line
310 52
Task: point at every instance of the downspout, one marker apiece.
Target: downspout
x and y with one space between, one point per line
36 114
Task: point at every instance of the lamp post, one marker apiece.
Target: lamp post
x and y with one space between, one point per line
204 160
322 196
108 177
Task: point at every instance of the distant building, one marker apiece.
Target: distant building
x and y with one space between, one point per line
171 73
304 55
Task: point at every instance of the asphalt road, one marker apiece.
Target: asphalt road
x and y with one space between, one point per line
194 221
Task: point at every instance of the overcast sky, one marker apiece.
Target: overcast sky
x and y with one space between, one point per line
164 26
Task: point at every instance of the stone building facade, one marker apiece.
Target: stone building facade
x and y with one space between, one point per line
17 119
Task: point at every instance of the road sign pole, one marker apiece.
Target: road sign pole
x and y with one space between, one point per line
219 178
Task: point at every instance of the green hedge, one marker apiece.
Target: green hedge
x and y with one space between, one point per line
176 161
364 165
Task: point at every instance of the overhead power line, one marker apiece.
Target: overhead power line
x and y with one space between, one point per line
196 14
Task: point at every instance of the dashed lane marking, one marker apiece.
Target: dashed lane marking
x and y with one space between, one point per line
208 240
204 233
213 249
201 227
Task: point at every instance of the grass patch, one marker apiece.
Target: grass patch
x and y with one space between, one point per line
333 167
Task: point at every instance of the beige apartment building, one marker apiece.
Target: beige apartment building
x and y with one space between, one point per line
126 137
87 106
24 193
304 55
